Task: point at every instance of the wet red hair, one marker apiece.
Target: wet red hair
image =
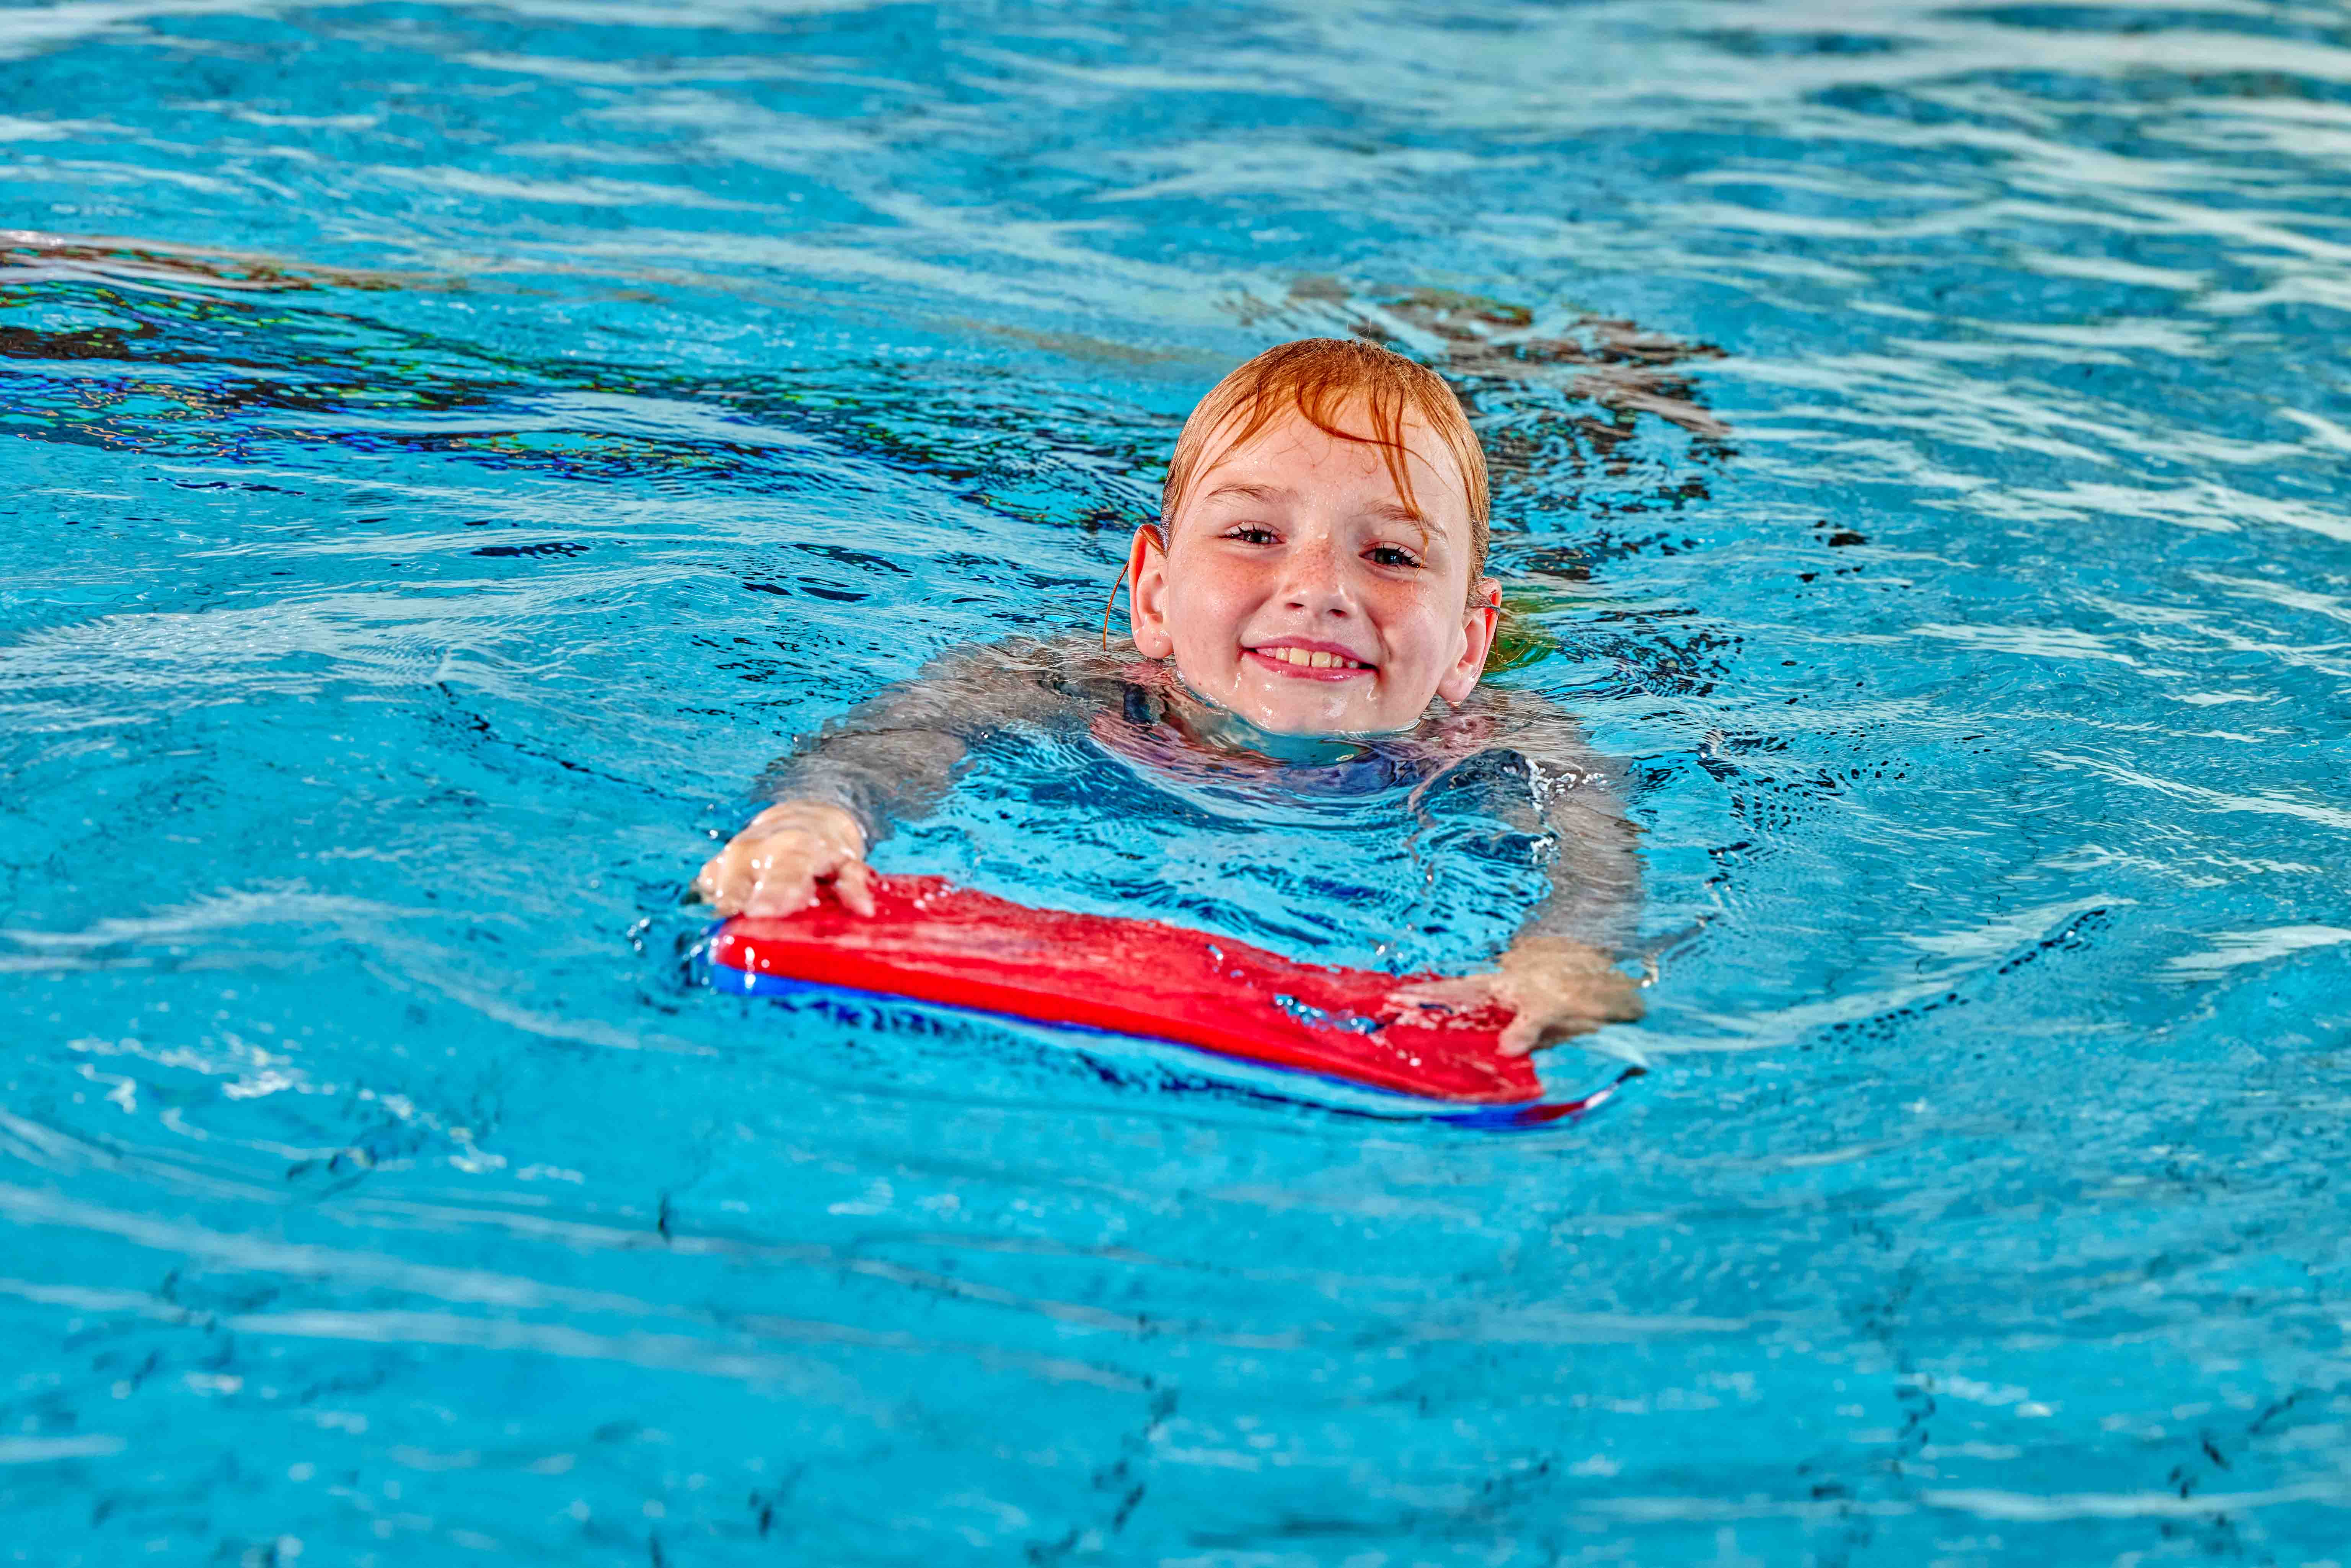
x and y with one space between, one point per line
1325 380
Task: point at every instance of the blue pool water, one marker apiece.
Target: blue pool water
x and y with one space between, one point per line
450 449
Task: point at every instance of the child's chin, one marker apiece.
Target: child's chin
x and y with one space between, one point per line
1294 716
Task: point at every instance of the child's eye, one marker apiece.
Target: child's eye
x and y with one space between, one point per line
1250 534
1391 555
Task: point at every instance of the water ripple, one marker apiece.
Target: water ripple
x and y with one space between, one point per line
457 445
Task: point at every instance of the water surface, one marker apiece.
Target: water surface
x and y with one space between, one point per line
451 447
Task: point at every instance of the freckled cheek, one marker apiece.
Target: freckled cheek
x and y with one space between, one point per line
1207 639
1411 627
1214 608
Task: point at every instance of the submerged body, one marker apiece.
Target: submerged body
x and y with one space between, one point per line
1311 613
1511 759
1553 867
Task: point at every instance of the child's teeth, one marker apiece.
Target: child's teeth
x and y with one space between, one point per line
1312 659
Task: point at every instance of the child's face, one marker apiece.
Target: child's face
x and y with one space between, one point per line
1299 589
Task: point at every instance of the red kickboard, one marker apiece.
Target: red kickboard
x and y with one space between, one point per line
930 941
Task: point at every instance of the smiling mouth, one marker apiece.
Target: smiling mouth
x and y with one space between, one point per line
1314 664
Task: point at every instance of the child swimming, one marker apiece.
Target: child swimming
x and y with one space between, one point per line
1312 610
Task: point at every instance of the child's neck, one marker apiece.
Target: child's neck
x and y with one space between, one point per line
1211 724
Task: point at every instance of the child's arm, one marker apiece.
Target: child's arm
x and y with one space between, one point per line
890 759
1558 976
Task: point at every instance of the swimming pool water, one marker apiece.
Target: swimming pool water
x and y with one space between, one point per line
451 448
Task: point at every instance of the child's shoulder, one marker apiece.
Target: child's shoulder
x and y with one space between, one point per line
1017 679
1552 741
1040 658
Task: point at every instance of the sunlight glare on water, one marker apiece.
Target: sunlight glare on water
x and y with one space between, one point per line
452 448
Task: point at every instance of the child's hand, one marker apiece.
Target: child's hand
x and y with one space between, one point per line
773 867
1553 987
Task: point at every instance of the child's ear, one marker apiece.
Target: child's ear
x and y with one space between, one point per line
1147 593
1477 635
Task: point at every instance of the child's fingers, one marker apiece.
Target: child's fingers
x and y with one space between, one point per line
727 882
853 885
727 879
1521 1035
1466 993
781 889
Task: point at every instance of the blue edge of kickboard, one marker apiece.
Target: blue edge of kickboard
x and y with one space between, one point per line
1494 1118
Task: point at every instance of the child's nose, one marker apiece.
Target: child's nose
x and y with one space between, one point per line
1314 582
